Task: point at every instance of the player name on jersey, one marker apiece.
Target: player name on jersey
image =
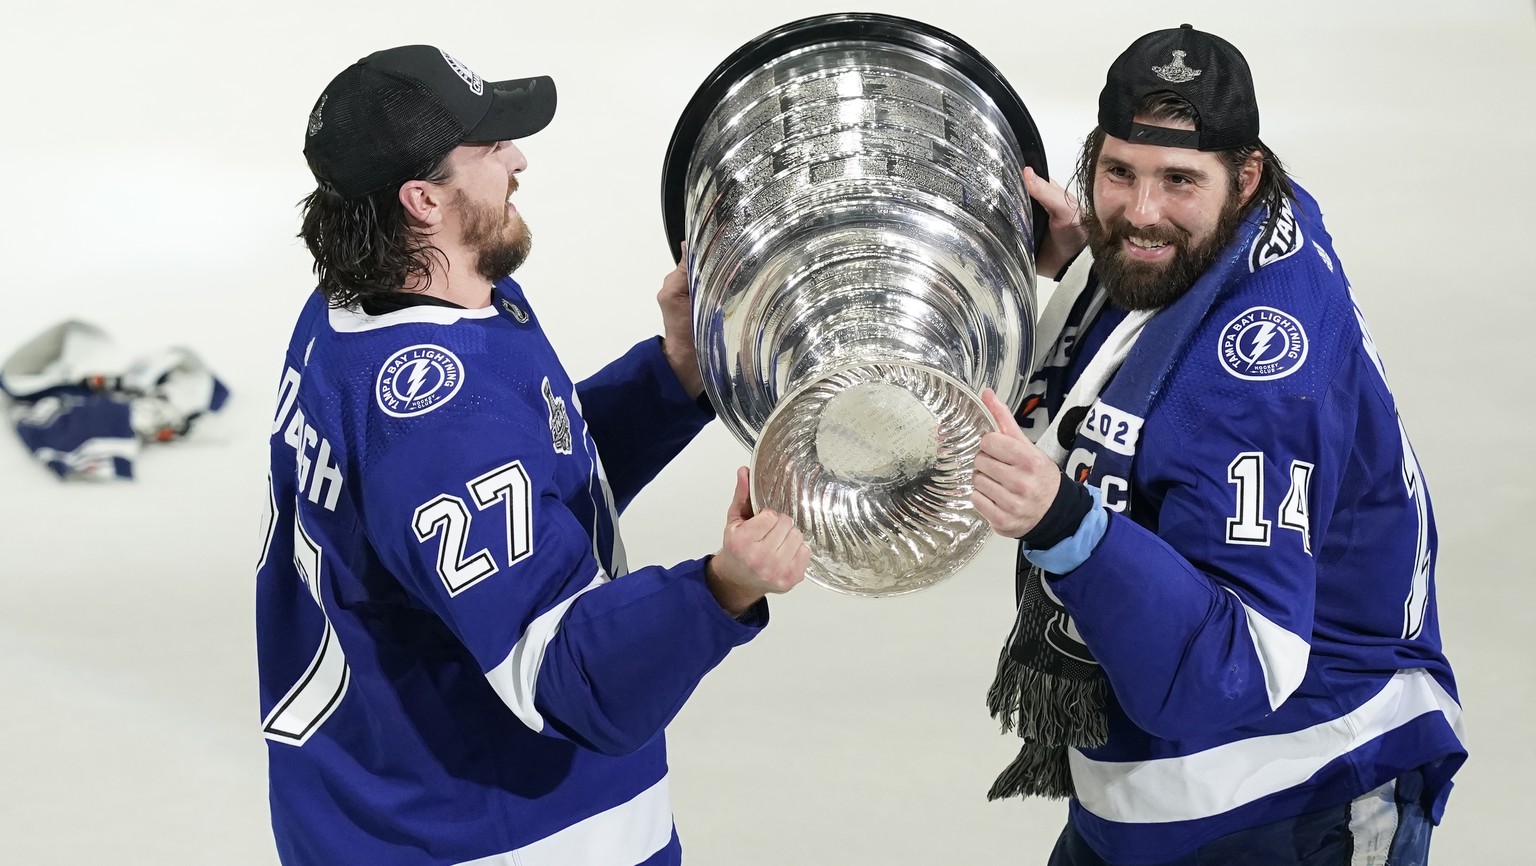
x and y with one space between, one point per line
319 475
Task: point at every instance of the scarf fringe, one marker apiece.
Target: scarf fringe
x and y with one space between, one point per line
1038 771
1046 708
1050 713
1004 697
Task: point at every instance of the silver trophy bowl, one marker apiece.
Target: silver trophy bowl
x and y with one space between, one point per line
860 263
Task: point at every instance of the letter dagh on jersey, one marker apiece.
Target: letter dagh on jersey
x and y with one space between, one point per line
319 472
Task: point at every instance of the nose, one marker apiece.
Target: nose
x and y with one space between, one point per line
515 160
1145 208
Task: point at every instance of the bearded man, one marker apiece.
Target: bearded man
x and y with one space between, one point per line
1227 647
457 664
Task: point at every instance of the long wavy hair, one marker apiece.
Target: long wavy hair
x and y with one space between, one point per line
1274 183
365 247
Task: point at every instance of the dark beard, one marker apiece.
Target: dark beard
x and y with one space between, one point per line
485 232
1135 285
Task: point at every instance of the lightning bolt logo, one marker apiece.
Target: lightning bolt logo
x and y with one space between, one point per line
1262 340
419 369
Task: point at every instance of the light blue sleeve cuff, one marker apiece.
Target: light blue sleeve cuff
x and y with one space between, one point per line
1075 549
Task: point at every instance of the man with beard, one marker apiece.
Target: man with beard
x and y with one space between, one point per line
456 663
1226 648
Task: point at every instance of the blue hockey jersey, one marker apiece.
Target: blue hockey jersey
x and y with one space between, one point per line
1262 600
456 664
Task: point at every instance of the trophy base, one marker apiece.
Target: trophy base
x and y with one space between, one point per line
873 464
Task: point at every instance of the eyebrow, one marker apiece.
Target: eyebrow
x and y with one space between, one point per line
1197 174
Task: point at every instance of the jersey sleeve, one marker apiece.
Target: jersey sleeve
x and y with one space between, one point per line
639 416
477 532
1203 622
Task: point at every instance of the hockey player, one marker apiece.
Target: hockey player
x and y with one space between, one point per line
1227 649
456 663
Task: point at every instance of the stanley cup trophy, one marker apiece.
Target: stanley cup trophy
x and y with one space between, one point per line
860 251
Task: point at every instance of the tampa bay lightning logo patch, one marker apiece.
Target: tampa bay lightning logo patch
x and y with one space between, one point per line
418 379
1263 343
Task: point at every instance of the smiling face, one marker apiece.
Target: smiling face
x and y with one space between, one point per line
1159 215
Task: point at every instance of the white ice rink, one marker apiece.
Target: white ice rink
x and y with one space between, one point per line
152 164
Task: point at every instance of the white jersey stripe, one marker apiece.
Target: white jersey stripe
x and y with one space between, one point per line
602 499
628 833
347 320
518 674
1222 778
1282 655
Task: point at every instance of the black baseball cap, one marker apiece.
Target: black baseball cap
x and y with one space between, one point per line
393 115
1204 69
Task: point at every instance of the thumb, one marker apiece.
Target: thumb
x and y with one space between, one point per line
1001 414
741 501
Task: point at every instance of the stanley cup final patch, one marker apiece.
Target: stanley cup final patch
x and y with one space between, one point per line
317 117
559 420
1176 72
1263 343
418 379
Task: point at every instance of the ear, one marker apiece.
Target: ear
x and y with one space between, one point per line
423 202
1249 175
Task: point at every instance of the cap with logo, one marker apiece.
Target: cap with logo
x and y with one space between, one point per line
1204 69
393 115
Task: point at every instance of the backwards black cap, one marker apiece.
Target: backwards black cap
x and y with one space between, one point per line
1204 69
395 114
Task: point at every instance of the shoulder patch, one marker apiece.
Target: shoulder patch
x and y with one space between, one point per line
559 420
1280 238
418 379
1262 343
515 311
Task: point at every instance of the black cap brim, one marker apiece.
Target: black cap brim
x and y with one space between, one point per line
519 108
